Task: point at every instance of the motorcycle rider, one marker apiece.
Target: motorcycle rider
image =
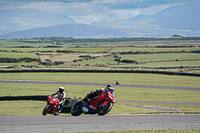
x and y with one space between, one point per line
92 94
117 83
61 96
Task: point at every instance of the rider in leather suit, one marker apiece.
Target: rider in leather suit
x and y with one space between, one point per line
92 94
61 94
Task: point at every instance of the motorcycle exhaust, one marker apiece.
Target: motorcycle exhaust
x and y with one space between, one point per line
85 110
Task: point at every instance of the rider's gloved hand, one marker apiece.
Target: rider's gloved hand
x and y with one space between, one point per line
59 103
98 91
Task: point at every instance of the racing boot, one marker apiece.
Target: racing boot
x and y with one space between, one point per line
90 96
56 114
85 100
60 106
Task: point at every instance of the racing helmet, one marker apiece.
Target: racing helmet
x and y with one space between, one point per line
61 89
110 88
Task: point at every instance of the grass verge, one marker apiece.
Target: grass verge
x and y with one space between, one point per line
123 78
145 131
121 93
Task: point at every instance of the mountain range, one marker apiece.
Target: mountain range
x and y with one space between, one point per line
183 20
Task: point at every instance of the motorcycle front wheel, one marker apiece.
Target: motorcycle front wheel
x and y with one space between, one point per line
45 111
102 110
77 109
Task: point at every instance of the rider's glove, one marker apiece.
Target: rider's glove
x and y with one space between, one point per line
59 103
98 91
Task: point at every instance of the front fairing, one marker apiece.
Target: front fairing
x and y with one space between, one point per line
112 93
53 102
111 96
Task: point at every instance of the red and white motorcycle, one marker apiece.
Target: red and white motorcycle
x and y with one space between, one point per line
100 104
52 105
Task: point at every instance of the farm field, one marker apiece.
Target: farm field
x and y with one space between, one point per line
69 58
17 55
166 64
47 49
165 54
154 49
72 42
96 58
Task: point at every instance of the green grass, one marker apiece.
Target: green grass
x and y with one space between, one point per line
18 89
89 49
161 60
95 62
15 43
146 94
127 108
22 107
163 64
123 78
17 55
29 49
144 131
153 49
144 60
78 49
161 57
23 63
121 93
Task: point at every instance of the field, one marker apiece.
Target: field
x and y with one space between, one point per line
121 93
17 55
172 54
159 54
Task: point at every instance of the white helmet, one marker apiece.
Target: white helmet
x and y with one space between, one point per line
61 89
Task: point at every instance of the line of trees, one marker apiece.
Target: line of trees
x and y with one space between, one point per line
59 40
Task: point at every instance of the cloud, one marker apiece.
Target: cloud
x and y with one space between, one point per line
88 11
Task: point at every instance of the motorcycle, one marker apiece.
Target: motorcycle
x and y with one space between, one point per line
52 105
100 104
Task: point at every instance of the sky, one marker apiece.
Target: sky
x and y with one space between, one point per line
89 11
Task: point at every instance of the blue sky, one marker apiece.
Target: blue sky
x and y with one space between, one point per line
88 11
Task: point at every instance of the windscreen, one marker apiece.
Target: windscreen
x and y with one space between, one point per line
113 93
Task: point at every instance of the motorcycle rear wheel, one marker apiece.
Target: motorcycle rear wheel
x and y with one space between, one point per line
102 110
77 109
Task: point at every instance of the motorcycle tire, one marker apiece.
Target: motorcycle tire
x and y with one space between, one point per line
77 109
102 110
45 111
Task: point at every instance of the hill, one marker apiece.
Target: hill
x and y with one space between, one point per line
21 19
66 30
182 19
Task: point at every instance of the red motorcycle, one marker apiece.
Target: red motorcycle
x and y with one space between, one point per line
100 104
52 105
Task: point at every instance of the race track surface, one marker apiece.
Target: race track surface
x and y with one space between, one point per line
30 124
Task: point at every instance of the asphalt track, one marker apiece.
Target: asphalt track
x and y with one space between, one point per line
31 124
